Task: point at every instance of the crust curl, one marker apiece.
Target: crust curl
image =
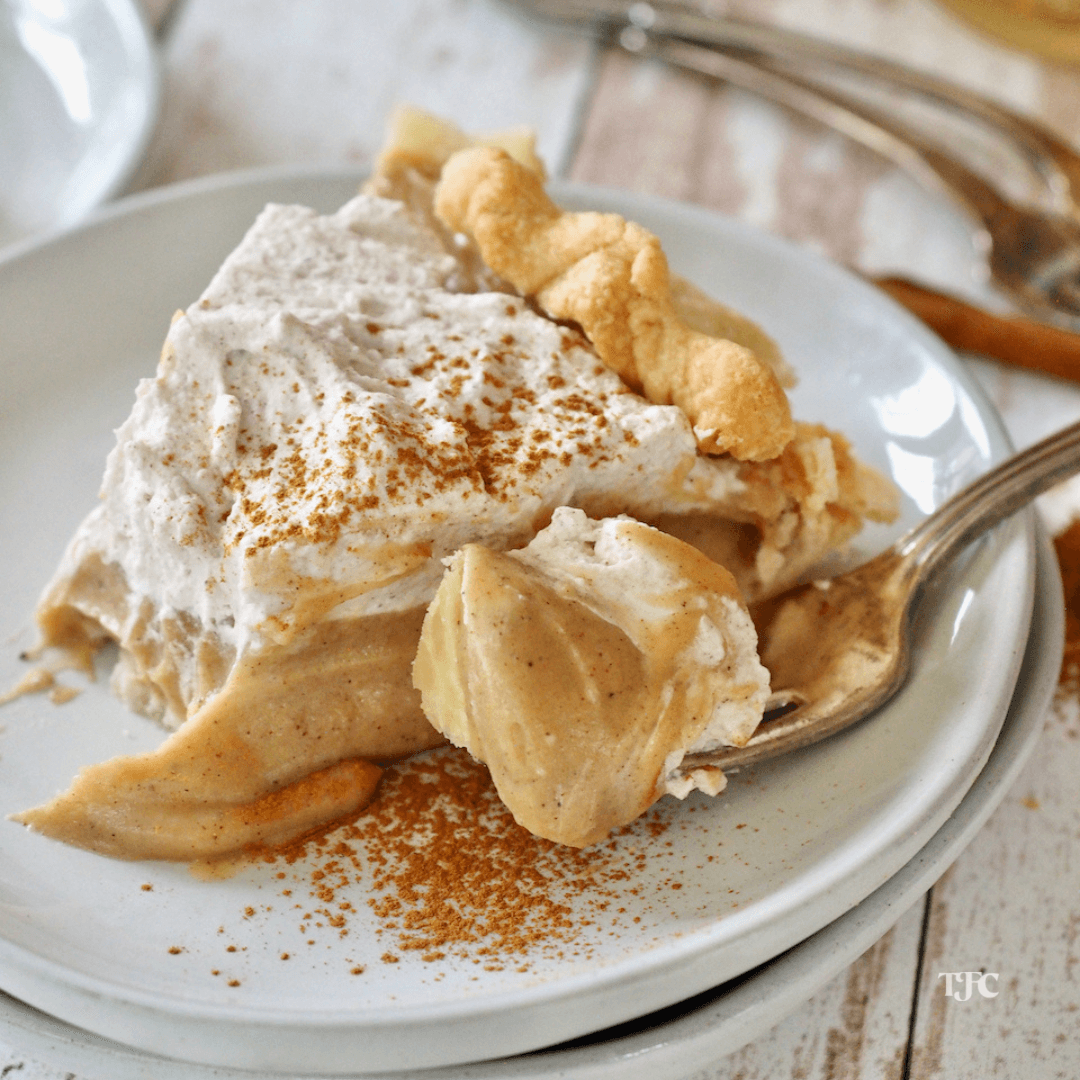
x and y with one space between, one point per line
407 169
611 277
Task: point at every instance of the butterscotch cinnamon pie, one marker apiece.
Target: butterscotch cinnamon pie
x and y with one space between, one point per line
355 401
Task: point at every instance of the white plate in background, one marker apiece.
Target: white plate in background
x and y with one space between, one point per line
802 840
79 88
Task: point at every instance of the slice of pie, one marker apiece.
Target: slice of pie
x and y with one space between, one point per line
346 405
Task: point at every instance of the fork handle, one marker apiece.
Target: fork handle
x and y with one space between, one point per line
933 169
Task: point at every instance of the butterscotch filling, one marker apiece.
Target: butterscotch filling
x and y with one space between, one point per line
584 667
283 746
785 516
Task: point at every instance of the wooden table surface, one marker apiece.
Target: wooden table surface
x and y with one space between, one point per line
254 82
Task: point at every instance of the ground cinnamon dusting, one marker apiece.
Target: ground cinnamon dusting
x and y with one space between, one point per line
448 873
308 484
1067 545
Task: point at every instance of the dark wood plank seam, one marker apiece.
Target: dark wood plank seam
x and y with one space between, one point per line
913 1015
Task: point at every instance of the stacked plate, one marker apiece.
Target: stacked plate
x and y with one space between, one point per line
765 892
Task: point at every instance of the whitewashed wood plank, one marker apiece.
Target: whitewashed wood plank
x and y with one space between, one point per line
1011 906
652 129
258 82
855 1028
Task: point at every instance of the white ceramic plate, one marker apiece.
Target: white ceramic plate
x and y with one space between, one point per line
680 1041
793 845
79 89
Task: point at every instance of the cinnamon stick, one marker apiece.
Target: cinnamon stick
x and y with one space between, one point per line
1012 339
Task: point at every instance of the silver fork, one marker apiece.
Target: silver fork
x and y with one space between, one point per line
1033 254
834 679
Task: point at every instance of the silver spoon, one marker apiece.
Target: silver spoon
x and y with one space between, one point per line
866 655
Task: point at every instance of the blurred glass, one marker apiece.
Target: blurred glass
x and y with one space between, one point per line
1050 28
79 86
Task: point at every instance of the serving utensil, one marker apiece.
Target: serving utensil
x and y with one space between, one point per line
1052 159
1032 252
838 650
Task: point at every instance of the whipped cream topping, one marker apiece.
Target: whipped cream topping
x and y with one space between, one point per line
332 417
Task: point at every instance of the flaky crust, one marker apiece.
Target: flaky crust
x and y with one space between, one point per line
408 167
701 312
610 276
787 516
